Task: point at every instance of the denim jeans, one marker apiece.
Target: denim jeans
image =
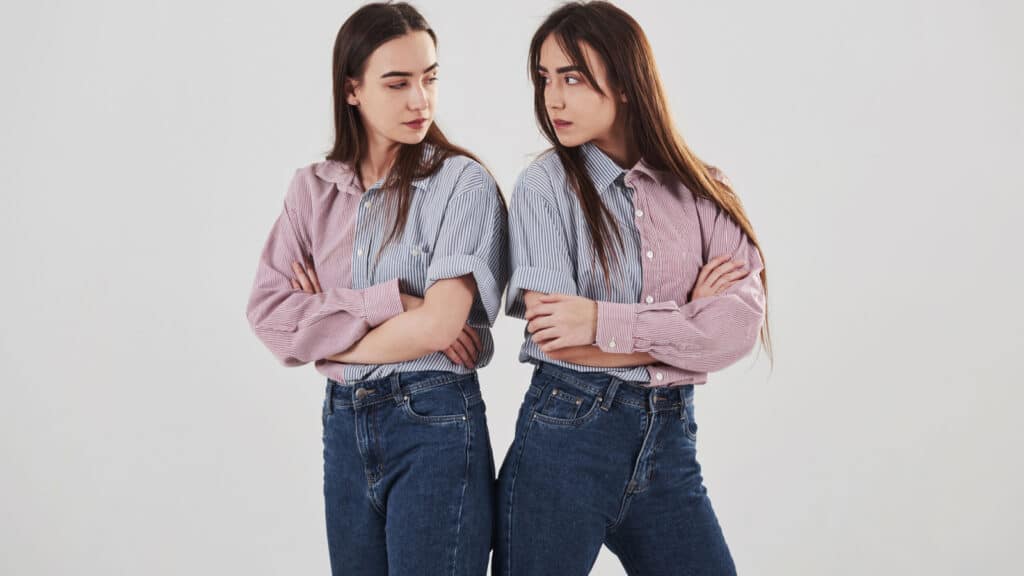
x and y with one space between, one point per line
598 460
408 475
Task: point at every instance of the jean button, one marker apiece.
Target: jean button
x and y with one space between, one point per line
361 393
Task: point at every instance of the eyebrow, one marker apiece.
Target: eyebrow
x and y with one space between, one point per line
407 74
563 69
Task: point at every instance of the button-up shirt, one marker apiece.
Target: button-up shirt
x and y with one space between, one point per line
668 235
456 226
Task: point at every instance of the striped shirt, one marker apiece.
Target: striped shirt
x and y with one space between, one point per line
456 226
668 235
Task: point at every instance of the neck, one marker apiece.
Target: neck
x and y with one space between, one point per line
380 156
618 146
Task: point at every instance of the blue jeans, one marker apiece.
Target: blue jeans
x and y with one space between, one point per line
408 475
597 460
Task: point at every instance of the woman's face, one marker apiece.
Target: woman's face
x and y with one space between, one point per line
578 112
398 91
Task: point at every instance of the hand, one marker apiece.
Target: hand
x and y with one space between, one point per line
465 350
718 274
305 278
559 321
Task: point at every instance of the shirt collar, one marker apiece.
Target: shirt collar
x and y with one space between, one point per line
604 171
347 180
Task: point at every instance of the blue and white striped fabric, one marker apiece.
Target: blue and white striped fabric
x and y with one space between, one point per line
551 250
457 226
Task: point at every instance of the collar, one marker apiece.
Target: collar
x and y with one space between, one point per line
604 171
347 180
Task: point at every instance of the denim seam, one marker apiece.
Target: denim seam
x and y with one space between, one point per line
636 465
465 482
512 490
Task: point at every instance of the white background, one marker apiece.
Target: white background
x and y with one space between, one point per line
146 148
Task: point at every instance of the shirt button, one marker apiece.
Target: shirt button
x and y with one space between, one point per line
359 252
650 254
659 376
415 251
639 213
649 299
366 204
611 343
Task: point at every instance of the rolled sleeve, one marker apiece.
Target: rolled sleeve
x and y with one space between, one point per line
540 253
471 240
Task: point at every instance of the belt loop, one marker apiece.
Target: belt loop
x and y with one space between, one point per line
682 402
330 396
613 387
396 389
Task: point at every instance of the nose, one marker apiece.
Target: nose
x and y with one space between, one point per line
553 97
418 98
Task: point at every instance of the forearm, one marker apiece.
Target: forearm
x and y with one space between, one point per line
402 338
413 334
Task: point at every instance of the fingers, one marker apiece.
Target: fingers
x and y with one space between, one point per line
723 269
553 345
539 323
312 276
544 335
726 280
710 266
474 338
300 275
465 358
539 310
554 297
453 356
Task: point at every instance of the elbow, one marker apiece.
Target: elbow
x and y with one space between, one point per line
733 349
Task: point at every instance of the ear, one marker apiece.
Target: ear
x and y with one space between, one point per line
350 92
622 97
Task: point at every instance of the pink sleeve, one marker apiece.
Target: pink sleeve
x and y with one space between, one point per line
298 327
704 335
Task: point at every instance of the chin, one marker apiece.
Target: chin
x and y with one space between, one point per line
409 137
571 141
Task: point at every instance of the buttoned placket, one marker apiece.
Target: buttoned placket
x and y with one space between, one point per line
366 233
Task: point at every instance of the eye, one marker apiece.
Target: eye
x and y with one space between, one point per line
542 79
572 80
432 79
397 86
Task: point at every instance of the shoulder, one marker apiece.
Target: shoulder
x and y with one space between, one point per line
462 176
310 183
543 179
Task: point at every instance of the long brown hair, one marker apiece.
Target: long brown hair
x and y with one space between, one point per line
622 45
363 32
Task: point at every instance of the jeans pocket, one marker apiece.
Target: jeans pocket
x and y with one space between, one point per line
441 404
566 406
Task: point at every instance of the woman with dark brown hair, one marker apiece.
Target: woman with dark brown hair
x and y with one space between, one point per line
386 268
639 273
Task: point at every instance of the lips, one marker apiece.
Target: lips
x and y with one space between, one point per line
416 124
561 123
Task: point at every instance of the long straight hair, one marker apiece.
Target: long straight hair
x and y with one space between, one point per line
363 32
623 47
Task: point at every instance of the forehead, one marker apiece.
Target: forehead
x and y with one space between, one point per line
412 53
552 56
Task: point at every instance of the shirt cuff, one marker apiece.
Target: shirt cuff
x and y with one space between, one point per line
538 280
488 294
381 302
615 324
